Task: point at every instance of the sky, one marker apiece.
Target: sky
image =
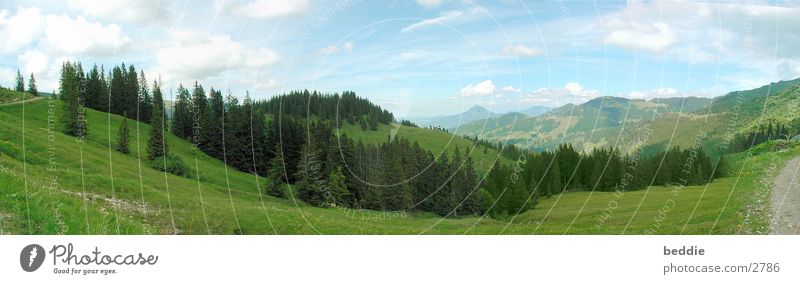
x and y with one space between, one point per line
416 58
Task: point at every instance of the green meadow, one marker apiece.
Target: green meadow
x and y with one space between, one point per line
51 183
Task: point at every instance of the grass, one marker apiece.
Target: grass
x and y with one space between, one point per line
436 141
8 96
69 187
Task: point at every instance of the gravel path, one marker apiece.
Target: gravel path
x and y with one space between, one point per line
786 200
19 102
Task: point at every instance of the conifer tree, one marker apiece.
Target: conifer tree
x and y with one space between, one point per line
32 86
123 136
145 100
337 194
94 93
211 125
157 145
71 116
276 176
181 114
198 109
132 93
117 90
309 187
20 82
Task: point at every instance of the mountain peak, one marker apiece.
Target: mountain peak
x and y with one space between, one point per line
477 108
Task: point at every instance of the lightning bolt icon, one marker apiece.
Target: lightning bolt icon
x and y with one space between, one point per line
34 253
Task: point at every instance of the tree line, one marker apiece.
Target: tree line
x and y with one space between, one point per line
280 142
19 84
514 188
334 107
744 141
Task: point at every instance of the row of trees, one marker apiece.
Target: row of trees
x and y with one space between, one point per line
517 187
743 141
278 141
121 91
396 175
19 85
78 89
353 109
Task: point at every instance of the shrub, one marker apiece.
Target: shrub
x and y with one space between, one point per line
174 165
275 189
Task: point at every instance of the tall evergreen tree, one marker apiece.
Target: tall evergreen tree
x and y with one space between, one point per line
198 109
32 86
132 93
123 135
276 175
94 90
145 100
157 145
181 114
20 82
117 90
72 115
211 125
337 193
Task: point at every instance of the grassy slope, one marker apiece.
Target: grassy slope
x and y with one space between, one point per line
8 96
436 141
576 124
600 119
60 209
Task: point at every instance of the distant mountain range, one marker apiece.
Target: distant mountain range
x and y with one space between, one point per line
620 122
474 113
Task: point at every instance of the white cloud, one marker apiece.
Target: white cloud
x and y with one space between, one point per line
66 35
333 49
571 93
348 46
199 55
655 37
262 85
511 89
32 61
444 18
59 34
484 88
430 3
665 92
263 9
21 29
7 77
521 51
138 11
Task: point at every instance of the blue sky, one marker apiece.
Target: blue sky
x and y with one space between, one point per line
417 58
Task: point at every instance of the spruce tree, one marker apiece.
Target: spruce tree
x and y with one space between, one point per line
309 187
145 100
123 136
71 116
20 82
117 90
276 176
32 86
132 93
198 110
157 145
211 125
181 114
337 194
94 94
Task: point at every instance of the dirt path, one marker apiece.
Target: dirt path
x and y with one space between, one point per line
786 200
19 102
